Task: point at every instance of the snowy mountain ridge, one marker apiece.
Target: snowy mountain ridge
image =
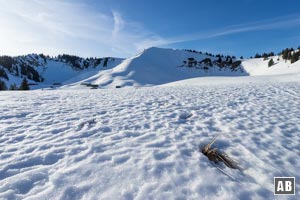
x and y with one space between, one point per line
156 66
153 66
44 70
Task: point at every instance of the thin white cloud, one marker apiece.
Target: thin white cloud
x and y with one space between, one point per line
118 23
269 24
61 26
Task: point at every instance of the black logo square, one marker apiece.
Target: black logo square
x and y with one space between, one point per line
284 185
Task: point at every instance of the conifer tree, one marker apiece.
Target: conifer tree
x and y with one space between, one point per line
105 62
295 57
24 85
2 85
257 55
13 87
285 54
3 73
271 62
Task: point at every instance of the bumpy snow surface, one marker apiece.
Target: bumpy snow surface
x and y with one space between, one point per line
143 143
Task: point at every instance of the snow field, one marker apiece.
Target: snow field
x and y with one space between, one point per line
144 143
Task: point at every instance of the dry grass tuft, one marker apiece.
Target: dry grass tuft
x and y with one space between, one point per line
216 156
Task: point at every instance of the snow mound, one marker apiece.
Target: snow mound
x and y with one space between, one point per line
156 66
259 66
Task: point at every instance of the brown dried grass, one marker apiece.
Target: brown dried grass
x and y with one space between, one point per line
216 156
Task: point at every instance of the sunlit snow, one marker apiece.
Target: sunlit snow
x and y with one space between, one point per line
133 143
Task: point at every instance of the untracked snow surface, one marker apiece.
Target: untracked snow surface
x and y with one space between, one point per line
143 143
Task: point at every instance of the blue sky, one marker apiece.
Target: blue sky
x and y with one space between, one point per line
122 28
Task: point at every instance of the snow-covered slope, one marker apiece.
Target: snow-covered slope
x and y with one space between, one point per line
43 71
259 66
212 81
143 143
153 66
68 75
156 66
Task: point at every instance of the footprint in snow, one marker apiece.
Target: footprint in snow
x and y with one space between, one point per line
186 115
120 159
88 123
161 155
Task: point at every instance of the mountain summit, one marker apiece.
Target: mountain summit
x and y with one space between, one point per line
156 66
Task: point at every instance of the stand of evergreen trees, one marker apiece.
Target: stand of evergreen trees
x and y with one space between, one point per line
81 63
287 54
291 54
24 85
212 55
264 55
207 63
27 68
2 85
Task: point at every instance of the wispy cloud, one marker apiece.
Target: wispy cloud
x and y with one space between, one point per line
268 24
65 26
59 26
118 23
282 22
